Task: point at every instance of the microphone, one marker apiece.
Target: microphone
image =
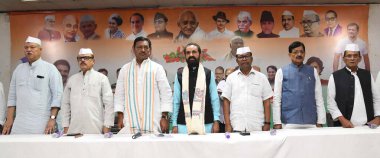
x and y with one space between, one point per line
108 135
57 134
227 135
135 136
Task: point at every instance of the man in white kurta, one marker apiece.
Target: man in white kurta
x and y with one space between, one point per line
143 96
246 97
35 92
87 103
3 107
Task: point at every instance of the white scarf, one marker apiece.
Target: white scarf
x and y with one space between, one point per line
195 118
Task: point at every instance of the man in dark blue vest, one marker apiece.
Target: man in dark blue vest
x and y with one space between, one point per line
353 100
195 100
298 101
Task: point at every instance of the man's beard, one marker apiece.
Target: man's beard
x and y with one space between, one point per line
192 63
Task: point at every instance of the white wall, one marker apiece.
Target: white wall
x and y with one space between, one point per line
5 51
374 38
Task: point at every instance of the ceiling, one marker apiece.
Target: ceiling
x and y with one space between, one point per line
43 5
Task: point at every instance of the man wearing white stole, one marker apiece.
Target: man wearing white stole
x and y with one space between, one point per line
195 99
143 96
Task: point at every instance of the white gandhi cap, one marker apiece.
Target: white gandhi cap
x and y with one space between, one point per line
243 50
287 12
352 47
85 51
31 39
309 12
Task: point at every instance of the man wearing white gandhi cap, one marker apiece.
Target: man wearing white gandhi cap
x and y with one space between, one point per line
35 91
87 103
287 21
242 85
353 99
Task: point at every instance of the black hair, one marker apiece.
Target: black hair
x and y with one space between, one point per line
141 38
296 44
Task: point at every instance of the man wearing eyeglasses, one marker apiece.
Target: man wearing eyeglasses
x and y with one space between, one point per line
143 97
35 93
353 99
160 23
246 97
137 23
333 28
298 101
87 103
310 22
190 30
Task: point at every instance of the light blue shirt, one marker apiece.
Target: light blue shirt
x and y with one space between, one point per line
213 96
34 90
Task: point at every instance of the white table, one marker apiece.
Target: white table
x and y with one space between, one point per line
307 143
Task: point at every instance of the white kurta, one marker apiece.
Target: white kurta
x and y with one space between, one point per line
132 36
3 106
34 90
359 115
215 34
292 33
162 94
246 95
87 103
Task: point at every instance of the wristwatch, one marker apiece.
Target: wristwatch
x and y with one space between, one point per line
267 123
52 117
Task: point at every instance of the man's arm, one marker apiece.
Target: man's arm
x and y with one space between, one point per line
176 104
107 100
266 104
215 103
376 101
9 122
56 89
226 112
3 106
166 99
11 105
321 111
277 99
119 98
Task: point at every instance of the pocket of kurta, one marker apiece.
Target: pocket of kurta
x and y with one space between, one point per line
94 90
38 83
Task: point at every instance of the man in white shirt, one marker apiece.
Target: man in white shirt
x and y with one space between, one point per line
189 28
137 23
35 92
87 104
289 31
298 101
353 32
246 94
353 99
143 96
220 32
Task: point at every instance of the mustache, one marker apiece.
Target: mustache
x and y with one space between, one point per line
299 57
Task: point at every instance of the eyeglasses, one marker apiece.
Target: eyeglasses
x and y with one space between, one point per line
192 23
84 58
352 56
245 57
308 22
330 19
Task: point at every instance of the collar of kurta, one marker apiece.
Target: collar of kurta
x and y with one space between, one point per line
88 72
253 71
36 63
298 67
145 61
350 71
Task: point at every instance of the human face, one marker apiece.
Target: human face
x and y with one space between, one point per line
219 74
64 71
136 24
352 59
187 24
352 31
88 28
244 24
229 71
32 51
86 62
192 55
220 24
271 74
235 44
112 25
160 25
316 66
331 20
310 25
49 24
287 22
297 55
244 60
70 28
142 51
267 26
